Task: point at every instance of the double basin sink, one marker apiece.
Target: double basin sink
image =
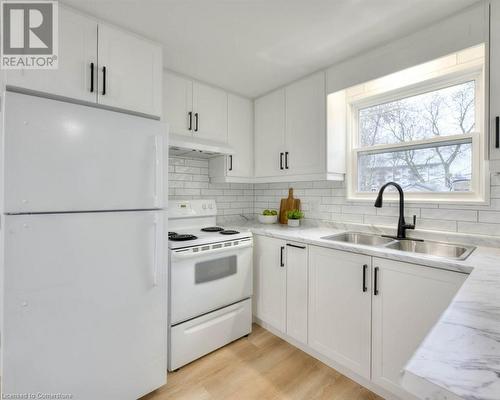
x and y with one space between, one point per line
431 248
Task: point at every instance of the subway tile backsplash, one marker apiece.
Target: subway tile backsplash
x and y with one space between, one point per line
326 201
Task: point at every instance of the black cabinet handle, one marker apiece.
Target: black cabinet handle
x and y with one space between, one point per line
91 77
103 81
365 268
286 159
281 256
230 163
375 281
196 122
190 115
297 247
281 160
497 132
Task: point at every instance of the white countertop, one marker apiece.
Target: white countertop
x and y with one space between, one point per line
460 357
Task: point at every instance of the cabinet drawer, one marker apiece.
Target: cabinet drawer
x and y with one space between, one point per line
197 337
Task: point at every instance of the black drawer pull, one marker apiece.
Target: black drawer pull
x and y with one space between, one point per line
297 247
365 268
375 281
497 132
92 77
230 163
103 81
190 115
281 256
281 160
286 159
196 122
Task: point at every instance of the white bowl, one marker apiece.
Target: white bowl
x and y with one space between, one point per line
268 219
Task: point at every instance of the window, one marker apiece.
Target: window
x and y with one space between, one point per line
427 135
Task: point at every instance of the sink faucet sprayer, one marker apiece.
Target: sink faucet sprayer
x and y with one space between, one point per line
402 225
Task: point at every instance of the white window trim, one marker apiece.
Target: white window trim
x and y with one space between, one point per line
480 176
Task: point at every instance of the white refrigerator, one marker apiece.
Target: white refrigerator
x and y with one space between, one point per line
83 271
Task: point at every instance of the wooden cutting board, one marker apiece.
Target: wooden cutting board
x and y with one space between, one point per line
288 204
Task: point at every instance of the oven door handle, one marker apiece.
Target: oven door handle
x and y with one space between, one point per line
188 253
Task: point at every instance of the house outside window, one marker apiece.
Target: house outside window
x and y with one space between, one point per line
422 128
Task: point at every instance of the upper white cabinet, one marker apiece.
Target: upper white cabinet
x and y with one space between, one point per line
178 103
270 281
238 166
290 132
98 63
494 70
270 134
305 133
407 301
77 62
193 108
340 307
210 112
130 71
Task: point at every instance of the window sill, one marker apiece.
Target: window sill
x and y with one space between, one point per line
444 198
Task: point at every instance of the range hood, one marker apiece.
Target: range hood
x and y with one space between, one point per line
190 146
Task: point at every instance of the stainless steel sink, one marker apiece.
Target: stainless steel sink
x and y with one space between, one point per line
438 249
360 238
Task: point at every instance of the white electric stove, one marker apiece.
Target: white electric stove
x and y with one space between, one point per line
210 275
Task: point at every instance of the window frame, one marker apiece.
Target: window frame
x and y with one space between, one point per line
479 177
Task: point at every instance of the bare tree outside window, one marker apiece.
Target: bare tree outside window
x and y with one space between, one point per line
432 167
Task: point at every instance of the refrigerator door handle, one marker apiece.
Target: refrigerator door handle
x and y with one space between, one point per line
158 170
156 258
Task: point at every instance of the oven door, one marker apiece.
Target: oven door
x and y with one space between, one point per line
205 278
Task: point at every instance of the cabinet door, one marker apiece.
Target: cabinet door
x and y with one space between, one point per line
495 85
269 134
306 126
270 281
409 301
340 307
240 137
296 291
77 50
178 103
210 112
130 72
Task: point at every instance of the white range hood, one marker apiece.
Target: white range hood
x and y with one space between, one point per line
190 146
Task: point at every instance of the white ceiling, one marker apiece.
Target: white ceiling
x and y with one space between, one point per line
253 46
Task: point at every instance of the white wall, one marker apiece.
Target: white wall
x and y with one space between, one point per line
462 30
188 179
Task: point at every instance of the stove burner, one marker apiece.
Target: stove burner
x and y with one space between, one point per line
212 229
180 238
228 232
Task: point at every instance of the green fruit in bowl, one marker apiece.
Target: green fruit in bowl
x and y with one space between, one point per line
269 212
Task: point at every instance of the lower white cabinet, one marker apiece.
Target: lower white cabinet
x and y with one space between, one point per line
296 291
270 281
364 313
407 301
340 307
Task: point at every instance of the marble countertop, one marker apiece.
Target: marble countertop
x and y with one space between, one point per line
460 356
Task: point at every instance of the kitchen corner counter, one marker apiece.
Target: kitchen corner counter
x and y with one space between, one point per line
460 356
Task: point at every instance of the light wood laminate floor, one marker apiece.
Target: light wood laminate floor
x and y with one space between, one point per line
259 367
